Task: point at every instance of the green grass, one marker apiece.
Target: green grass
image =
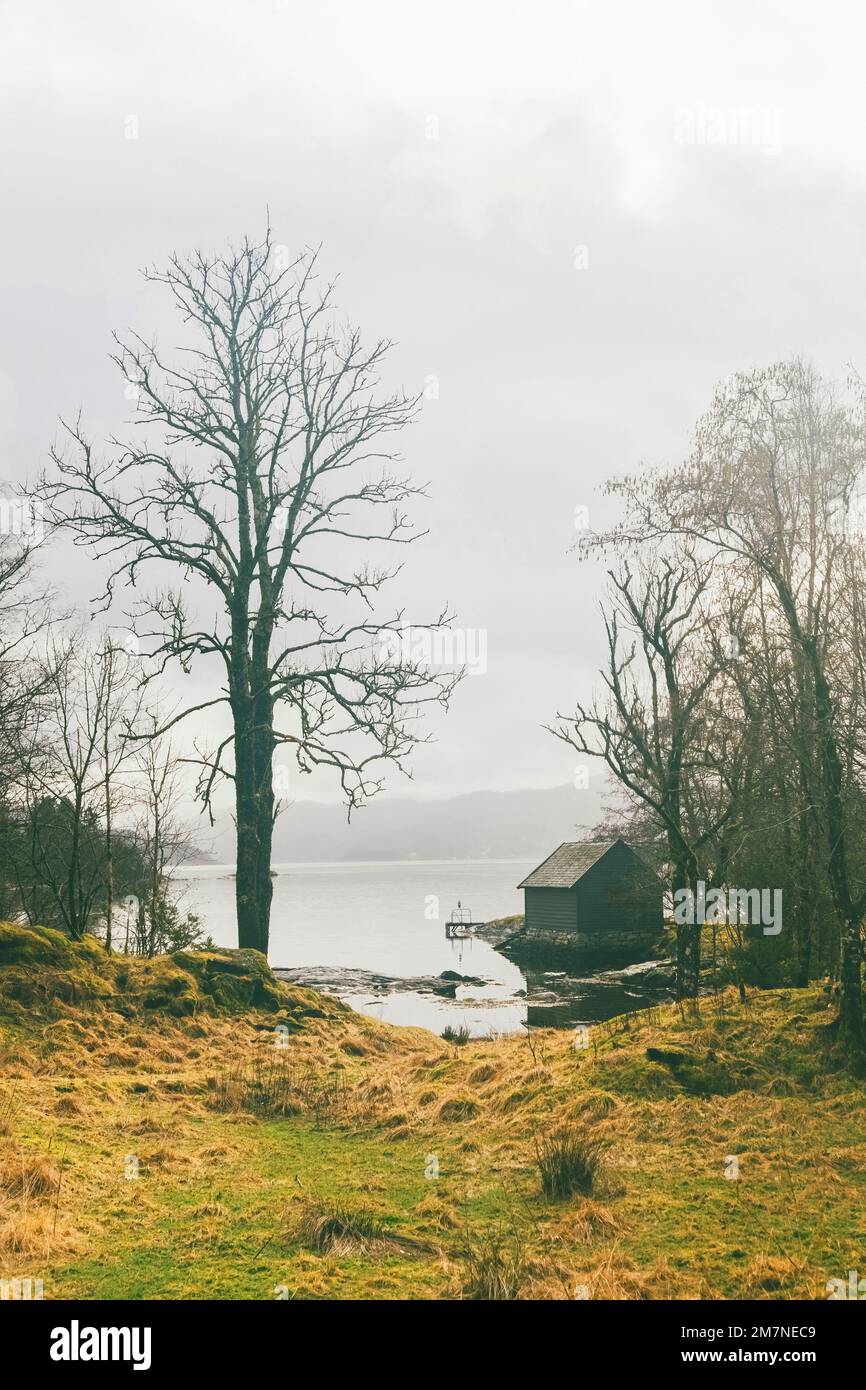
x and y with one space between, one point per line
423 1156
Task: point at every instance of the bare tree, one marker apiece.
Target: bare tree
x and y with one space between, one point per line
775 464
120 710
24 617
268 474
69 756
162 839
659 728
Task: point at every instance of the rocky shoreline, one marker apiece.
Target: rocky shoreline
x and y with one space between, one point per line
546 988
349 981
561 987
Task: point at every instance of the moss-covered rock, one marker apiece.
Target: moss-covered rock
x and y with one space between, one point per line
234 979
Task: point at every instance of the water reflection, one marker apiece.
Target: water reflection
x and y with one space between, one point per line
557 999
538 998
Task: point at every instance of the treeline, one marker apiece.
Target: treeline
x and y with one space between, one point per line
734 688
89 786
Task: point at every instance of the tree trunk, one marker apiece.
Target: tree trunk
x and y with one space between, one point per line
681 961
680 881
851 1007
254 813
77 923
109 851
832 778
154 877
693 961
688 936
805 938
850 1010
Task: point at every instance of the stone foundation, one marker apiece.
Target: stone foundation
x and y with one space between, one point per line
610 947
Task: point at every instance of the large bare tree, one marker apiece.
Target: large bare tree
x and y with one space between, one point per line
260 495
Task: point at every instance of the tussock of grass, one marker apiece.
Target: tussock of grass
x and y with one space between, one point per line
398 1119
341 1231
277 1085
29 1234
497 1265
569 1162
488 1071
28 1175
459 1036
210 1209
592 1106
323 1230
590 1222
437 1214
457 1108
516 1099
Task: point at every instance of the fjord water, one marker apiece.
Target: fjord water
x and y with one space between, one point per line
389 918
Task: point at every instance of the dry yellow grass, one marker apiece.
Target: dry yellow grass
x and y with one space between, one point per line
431 1144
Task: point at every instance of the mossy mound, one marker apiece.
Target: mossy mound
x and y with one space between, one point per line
39 966
43 970
23 945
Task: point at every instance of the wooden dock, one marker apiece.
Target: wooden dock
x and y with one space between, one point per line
460 923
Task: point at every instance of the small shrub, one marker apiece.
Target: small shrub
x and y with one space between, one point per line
458 1036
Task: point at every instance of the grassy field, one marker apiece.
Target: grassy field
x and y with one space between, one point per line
190 1128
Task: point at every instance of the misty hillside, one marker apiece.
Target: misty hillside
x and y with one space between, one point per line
484 824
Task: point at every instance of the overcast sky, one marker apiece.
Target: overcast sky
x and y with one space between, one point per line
575 216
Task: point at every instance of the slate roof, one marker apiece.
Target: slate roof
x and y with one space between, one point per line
568 864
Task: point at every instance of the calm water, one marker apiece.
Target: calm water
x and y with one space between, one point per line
389 918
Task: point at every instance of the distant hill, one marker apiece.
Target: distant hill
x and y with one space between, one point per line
477 825
201 856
